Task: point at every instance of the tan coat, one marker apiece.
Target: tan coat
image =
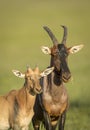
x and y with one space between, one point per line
16 108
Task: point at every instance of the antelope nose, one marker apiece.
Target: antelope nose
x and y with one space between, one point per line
39 89
66 76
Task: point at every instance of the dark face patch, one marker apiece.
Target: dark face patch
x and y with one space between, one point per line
60 55
62 51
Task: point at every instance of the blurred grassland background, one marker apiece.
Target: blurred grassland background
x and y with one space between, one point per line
22 34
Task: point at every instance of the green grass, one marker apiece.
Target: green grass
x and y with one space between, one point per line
22 34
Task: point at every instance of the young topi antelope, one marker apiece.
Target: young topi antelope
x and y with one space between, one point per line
16 108
51 105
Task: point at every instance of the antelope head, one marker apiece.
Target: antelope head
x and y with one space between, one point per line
59 53
32 78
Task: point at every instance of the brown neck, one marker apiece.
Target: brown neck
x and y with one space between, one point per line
56 76
57 79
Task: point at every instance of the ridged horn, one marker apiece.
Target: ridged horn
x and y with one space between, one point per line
53 38
29 69
36 70
64 35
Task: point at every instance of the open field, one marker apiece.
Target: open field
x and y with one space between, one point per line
22 34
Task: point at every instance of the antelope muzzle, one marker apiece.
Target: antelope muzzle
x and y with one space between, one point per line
66 76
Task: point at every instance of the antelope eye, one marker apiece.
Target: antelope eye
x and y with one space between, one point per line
56 52
31 78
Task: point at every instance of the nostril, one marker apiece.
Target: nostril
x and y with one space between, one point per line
66 76
69 76
39 89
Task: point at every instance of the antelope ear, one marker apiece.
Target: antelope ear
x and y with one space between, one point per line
46 72
75 49
18 74
46 50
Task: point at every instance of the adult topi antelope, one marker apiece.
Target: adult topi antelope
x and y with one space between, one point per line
53 102
16 108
